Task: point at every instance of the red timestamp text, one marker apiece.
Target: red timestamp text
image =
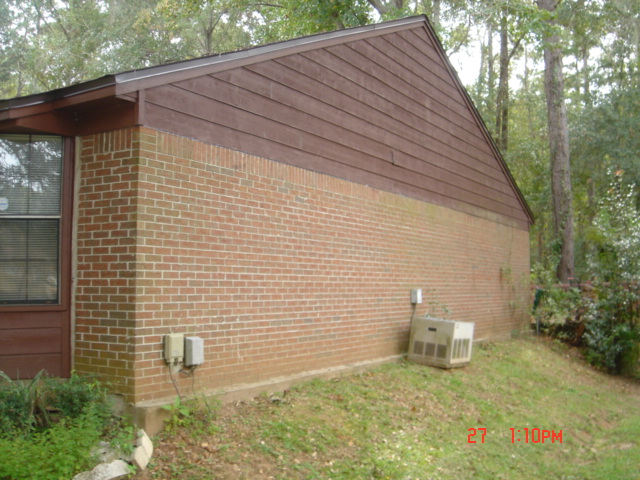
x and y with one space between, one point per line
474 432
535 435
524 435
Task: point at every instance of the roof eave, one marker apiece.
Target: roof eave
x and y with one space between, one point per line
82 90
134 80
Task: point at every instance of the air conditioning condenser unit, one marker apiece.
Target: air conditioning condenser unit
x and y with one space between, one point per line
440 343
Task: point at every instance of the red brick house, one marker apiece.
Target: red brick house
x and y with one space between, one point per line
280 203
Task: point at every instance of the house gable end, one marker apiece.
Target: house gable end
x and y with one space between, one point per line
385 110
379 105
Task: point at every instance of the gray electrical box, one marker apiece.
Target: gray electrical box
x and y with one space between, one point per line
193 351
416 295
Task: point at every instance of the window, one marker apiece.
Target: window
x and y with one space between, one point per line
30 218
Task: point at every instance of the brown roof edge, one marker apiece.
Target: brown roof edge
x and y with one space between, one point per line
58 94
133 80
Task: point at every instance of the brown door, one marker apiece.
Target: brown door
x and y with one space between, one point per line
36 173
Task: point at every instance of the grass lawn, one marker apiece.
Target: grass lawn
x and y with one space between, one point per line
406 421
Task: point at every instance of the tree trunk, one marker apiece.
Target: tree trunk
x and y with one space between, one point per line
586 77
482 73
559 147
526 86
435 16
502 100
491 74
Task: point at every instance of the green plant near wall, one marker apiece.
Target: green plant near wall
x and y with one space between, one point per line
58 452
71 397
19 402
197 414
27 407
49 426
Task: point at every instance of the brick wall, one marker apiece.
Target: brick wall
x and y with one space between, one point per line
105 268
279 269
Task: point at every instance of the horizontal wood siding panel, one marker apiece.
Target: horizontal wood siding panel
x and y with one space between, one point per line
30 341
434 118
430 136
256 127
418 62
410 92
27 366
428 88
422 44
332 126
384 111
339 98
177 121
32 319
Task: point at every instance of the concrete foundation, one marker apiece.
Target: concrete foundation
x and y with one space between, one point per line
151 416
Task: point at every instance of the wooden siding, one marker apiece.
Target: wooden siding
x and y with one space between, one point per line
383 111
34 340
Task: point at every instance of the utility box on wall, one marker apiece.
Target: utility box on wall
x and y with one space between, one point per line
193 351
174 348
416 296
441 343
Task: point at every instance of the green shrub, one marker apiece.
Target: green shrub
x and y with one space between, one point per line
19 402
605 322
49 426
613 321
30 406
613 329
559 313
71 397
57 453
